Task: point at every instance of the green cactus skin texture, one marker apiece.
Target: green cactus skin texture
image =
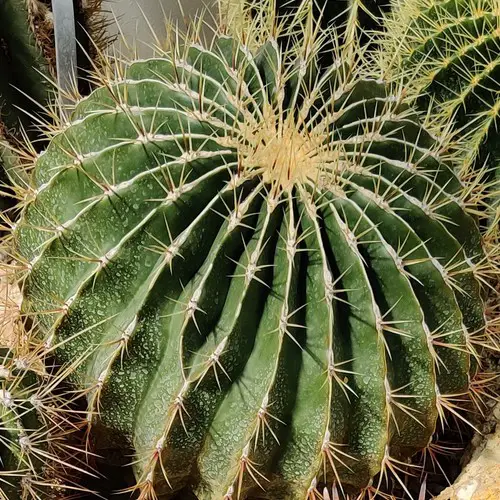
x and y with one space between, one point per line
450 51
261 277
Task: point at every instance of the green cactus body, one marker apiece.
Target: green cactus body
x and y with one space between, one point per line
450 51
262 277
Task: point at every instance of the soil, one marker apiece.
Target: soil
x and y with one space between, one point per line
10 301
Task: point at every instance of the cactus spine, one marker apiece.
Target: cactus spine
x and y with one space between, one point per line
35 445
449 52
263 278
31 449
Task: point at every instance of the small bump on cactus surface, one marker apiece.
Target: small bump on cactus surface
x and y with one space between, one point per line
449 53
263 278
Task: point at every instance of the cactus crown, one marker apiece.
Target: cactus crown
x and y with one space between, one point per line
260 275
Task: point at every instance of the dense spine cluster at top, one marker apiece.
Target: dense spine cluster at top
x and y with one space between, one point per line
263 278
448 52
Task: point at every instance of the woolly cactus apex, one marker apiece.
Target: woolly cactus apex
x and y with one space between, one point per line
449 53
262 277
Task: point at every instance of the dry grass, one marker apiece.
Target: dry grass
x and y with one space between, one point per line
10 301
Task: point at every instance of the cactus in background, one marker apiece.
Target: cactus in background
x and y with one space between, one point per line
35 451
19 429
449 54
27 67
25 55
27 58
263 278
370 13
348 18
30 451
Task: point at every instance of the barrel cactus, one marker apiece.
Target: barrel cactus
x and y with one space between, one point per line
449 52
264 279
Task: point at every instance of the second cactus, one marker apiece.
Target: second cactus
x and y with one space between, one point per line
449 53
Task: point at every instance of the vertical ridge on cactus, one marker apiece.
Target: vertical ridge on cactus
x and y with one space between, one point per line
262 277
